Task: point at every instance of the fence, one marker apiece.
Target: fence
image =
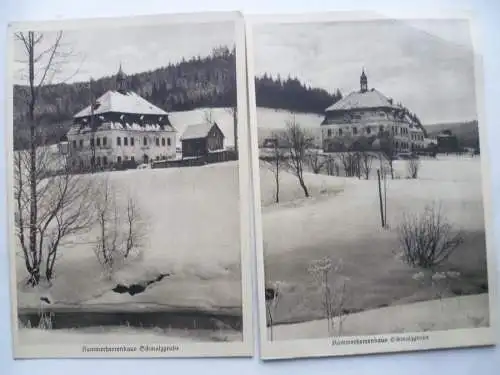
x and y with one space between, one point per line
213 157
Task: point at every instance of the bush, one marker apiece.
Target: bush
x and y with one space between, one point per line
413 166
428 239
326 274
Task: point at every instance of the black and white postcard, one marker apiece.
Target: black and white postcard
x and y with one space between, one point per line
372 190
128 187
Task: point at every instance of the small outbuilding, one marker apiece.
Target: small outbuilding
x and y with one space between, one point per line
201 139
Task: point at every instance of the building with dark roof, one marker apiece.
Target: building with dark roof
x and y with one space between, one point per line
120 126
369 114
201 139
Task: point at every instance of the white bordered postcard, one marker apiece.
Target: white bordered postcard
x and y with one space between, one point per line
128 187
372 187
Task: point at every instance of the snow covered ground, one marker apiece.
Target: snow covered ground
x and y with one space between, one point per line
202 261
437 315
342 221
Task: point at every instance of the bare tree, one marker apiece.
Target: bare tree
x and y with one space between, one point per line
316 161
366 160
43 59
275 162
120 229
332 168
388 149
413 166
63 202
208 116
350 163
298 142
135 228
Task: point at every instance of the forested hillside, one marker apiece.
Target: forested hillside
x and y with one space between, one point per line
291 94
208 81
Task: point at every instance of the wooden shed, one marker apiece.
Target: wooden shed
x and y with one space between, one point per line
201 139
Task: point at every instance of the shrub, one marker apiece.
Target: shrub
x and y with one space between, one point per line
413 166
427 238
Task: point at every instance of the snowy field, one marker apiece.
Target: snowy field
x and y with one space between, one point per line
270 120
202 262
342 221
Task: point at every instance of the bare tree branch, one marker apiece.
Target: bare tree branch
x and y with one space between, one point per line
298 142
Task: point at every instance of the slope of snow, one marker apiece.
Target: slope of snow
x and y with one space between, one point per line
436 315
291 194
346 226
270 120
202 261
455 184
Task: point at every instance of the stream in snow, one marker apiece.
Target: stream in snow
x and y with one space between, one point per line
65 319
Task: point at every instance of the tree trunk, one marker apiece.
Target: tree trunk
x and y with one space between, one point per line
303 185
49 267
277 189
35 270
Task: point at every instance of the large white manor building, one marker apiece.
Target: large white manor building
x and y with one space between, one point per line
370 114
120 126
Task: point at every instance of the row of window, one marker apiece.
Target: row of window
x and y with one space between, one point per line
368 130
417 137
401 144
126 140
402 131
340 132
144 141
103 161
358 115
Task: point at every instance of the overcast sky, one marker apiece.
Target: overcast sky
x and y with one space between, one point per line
99 52
428 65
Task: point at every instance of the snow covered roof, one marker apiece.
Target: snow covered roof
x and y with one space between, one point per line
197 131
129 102
362 100
108 125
